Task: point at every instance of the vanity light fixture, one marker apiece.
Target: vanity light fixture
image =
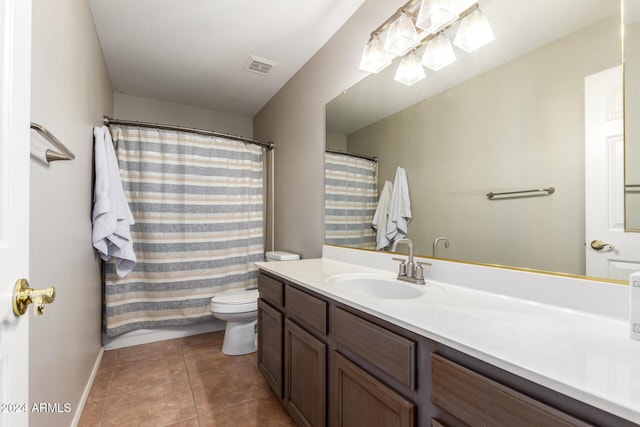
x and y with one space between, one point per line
374 57
410 70
474 32
438 53
402 36
434 15
421 23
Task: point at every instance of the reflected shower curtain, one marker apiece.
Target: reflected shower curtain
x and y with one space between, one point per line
198 206
351 195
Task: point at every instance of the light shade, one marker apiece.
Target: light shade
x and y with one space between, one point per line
410 70
374 57
474 32
434 15
401 37
438 53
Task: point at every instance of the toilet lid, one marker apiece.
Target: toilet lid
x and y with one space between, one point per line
237 297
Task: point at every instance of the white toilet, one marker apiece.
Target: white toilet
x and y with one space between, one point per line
240 310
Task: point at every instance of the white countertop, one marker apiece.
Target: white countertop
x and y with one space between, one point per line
582 355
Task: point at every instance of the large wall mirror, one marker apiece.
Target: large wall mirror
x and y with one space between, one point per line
631 43
507 117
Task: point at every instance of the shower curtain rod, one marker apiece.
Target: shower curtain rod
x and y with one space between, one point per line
360 156
109 121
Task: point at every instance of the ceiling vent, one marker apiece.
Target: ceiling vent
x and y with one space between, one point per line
259 65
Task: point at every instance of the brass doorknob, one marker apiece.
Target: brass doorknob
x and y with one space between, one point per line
23 295
599 245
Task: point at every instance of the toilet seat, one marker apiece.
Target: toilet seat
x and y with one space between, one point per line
235 302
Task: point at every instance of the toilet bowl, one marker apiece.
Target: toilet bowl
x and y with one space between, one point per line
240 310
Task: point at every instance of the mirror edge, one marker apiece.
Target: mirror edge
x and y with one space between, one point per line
503 267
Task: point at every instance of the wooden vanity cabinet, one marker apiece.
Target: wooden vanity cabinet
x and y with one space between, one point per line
389 351
360 400
359 397
468 392
360 364
270 332
305 376
305 357
334 365
479 401
292 349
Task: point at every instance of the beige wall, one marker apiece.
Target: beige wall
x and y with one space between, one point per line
129 107
336 141
517 127
294 120
70 94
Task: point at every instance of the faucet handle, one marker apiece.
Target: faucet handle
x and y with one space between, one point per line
420 271
402 270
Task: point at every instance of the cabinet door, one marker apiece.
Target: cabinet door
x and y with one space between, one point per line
270 345
360 400
305 376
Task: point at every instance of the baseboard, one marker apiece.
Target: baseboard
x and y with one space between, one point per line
144 336
87 389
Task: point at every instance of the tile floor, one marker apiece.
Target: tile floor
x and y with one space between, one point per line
185 382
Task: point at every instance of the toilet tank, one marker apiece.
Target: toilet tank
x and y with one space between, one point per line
281 256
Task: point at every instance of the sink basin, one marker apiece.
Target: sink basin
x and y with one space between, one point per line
379 286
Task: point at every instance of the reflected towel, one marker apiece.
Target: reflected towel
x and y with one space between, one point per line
381 216
399 207
112 217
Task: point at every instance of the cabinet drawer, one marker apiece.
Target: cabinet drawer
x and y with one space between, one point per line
388 351
478 400
270 289
307 308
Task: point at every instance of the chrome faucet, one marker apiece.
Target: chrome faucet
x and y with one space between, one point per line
435 245
409 272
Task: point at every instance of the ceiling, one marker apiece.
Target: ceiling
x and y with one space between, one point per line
193 51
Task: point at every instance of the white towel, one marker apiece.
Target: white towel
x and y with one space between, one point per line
399 207
381 215
112 217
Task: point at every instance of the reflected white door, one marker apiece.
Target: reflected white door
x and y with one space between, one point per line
15 57
610 252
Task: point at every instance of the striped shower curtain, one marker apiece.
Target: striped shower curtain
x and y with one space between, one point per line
351 195
198 206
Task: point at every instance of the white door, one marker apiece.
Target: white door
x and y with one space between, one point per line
15 75
610 252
